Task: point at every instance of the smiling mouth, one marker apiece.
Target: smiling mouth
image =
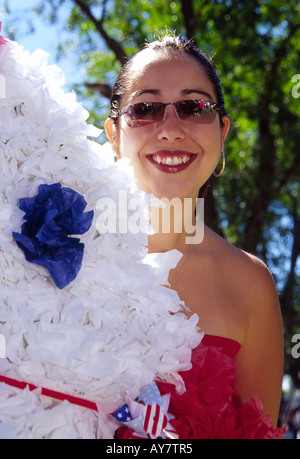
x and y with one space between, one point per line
171 162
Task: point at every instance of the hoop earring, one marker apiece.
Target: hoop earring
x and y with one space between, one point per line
222 168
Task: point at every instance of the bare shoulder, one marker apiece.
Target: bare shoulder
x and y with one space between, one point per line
254 275
232 291
250 292
249 272
250 277
258 284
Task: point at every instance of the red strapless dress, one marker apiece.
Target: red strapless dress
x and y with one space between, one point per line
208 409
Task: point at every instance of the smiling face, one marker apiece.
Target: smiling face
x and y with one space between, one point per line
172 157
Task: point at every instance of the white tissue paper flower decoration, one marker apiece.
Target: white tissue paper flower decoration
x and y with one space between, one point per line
114 328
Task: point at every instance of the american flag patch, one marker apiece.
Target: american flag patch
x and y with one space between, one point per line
122 414
154 420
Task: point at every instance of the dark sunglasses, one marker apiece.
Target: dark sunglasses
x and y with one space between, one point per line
195 111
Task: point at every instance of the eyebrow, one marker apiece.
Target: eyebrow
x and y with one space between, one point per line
145 91
184 92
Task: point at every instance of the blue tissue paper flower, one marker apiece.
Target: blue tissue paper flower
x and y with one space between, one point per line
50 217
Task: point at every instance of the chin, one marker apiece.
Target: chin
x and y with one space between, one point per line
169 195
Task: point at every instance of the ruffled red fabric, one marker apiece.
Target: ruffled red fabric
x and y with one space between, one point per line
208 408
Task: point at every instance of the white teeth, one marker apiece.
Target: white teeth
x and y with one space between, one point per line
171 160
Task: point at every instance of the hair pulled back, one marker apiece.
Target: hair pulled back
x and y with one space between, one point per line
167 44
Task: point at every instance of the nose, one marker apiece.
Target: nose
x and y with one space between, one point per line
170 128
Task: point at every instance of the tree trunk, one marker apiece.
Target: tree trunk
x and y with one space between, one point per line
187 10
264 191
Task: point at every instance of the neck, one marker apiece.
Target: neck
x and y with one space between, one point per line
160 242
174 224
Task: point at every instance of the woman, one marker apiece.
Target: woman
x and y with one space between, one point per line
73 345
168 117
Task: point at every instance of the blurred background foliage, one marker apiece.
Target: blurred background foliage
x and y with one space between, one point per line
256 47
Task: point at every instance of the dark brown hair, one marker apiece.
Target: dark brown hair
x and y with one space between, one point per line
167 44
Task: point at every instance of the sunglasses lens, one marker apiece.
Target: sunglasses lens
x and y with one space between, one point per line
196 111
143 113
